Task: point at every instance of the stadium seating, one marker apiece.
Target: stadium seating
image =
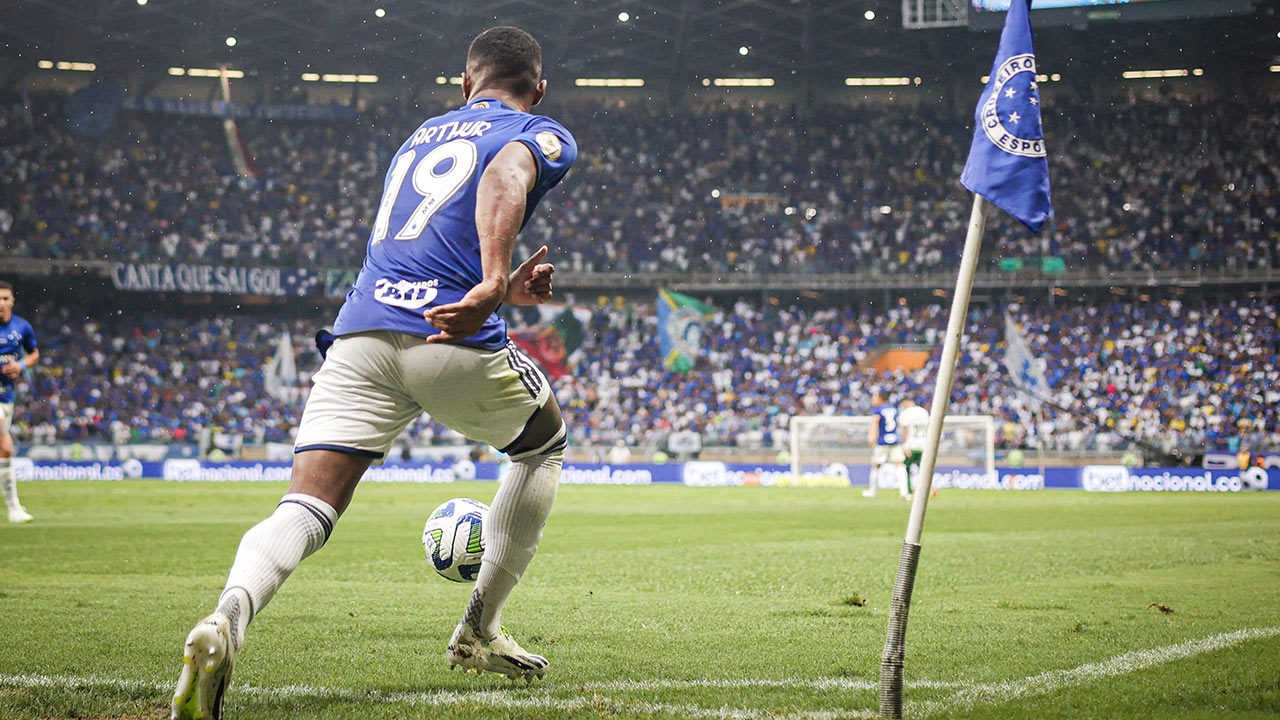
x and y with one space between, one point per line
1201 373
841 190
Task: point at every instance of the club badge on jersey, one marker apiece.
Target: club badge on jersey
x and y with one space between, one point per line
423 249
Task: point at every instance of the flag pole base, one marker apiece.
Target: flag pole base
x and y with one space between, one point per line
891 661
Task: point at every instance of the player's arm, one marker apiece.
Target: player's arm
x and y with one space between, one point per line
14 368
500 206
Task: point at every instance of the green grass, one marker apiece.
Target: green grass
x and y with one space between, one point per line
658 587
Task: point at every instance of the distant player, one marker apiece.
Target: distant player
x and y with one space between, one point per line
18 352
417 333
913 420
884 438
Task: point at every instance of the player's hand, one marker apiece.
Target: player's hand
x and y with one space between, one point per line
531 282
460 320
12 369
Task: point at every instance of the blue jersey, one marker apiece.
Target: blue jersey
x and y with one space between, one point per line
424 249
887 425
17 338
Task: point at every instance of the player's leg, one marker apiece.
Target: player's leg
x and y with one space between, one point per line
913 471
879 455
351 418
899 459
508 404
9 486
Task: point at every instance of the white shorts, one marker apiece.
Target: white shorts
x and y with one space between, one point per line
373 384
6 416
887 453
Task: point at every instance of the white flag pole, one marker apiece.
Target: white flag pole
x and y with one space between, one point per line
891 661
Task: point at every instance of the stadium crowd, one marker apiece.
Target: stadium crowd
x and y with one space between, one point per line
764 189
1194 374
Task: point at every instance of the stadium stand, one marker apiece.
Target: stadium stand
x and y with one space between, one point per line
844 190
1201 372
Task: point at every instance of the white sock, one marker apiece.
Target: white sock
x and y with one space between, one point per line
268 553
9 486
511 536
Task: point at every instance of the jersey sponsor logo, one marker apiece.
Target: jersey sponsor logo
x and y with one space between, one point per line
549 144
404 293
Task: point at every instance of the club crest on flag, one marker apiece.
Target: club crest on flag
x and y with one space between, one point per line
1008 163
1011 114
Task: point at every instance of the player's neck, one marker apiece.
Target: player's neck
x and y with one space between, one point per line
503 96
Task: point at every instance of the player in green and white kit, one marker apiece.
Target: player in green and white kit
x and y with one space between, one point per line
914 422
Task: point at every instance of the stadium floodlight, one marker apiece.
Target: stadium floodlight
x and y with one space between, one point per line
45 64
142 2
1148 74
876 81
74 66
231 41
380 13
207 72
744 50
340 78
624 16
1276 68
742 82
869 15
609 82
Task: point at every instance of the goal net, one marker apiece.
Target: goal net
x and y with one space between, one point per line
824 447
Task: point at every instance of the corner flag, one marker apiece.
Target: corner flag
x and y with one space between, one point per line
1006 168
1007 164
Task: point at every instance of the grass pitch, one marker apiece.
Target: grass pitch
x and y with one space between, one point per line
663 601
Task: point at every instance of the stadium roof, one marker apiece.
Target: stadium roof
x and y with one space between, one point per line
661 39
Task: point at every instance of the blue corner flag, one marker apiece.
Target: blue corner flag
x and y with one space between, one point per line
1007 164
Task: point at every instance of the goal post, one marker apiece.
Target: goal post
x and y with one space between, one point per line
841 445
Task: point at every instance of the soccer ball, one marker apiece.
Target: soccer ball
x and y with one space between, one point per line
454 538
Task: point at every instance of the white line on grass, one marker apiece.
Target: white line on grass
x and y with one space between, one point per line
1053 680
521 699
514 699
743 683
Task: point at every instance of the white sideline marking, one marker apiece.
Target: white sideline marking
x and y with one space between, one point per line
517 700
731 683
1053 680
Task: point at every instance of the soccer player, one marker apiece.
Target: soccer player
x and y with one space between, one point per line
18 352
913 419
419 332
883 437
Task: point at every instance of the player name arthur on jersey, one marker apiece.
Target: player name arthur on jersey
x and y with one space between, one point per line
449 131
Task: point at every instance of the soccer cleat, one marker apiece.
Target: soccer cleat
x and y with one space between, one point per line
20 515
498 654
207 661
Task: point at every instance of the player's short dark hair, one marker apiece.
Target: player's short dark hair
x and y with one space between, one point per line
506 57
6 286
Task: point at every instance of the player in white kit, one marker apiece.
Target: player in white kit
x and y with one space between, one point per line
419 332
913 419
